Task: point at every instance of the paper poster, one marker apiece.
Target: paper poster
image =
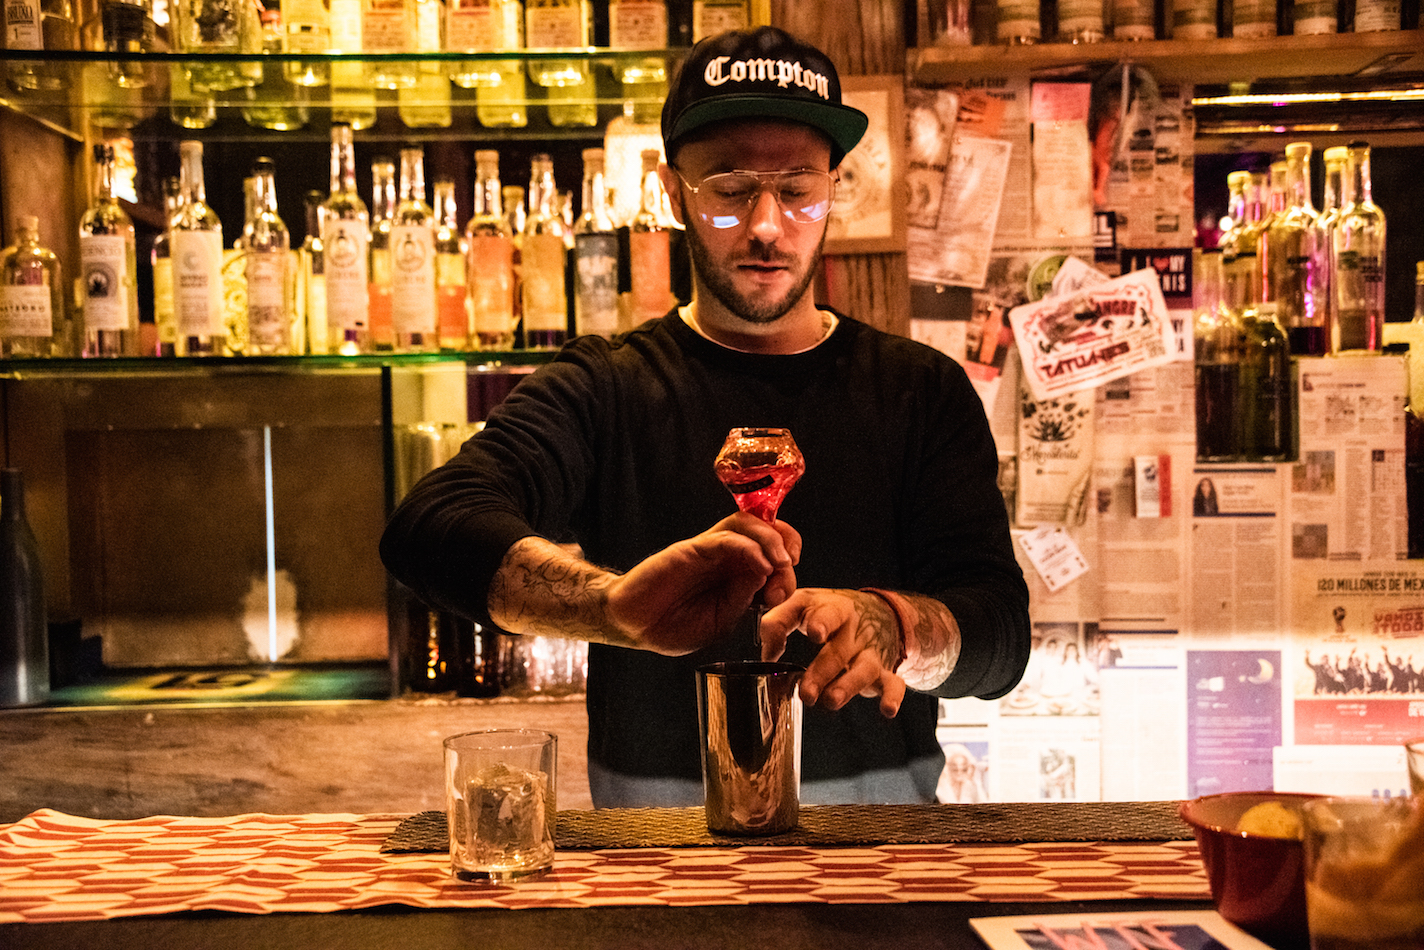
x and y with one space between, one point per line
1101 333
957 248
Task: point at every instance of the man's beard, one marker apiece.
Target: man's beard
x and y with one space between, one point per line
721 285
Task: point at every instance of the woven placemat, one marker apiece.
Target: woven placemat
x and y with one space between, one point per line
830 825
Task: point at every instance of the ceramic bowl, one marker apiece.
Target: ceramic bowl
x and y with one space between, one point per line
1257 882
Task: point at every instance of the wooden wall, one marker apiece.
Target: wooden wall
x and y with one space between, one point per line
863 38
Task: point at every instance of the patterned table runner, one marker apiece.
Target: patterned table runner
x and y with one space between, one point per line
57 867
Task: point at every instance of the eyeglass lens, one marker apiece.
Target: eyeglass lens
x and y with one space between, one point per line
804 196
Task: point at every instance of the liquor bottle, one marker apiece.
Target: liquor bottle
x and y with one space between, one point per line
1357 250
276 102
1218 340
268 246
1335 159
383 209
24 629
108 265
114 89
1081 21
1018 22
1194 19
640 25
595 254
388 26
1315 17
710 17
1372 16
454 317
312 282
165 321
39 26
345 243
569 87
481 26
543 260
415 305
186 108
32 321
489 250
1253 18
306 29
1265 387
1133 20
228 27
353 99
1296 262
195 243
648 249
501 88
426 103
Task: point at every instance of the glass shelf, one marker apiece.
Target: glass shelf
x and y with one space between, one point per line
170 366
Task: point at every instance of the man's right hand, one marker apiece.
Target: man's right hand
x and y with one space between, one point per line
685 597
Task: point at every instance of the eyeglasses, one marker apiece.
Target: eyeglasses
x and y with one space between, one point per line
724 200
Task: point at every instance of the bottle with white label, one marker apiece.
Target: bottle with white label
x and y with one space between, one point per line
450 271
414 303
489 255
345 240
1357 251
543 260
269 307
388 26
42 26
500 85
107 267
595 254
306 29
710 17
31 296
553 24
353 98
195 243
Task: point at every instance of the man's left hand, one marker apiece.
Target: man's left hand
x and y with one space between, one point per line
860 642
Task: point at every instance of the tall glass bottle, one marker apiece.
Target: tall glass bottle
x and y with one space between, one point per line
595 254
218 26
24 630
476 26
108 265
388 26
414 301
454 318
195 242
1217 334
345 243
649 251
383 209
269 309
313 275
1296 261
353 98
551 24
306 29
710 17
1265 387
1358 253
113 90
489 250
1240 265
1335 159
426 103
501 87
640 25
543 262
188 109
165 321
32 321
41 26
276 102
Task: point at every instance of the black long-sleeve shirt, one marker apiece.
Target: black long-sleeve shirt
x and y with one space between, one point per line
611 445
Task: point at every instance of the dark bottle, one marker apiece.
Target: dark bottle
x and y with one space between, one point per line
24 635
1218 340
1265 388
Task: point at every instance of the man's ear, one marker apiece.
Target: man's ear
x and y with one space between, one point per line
673 186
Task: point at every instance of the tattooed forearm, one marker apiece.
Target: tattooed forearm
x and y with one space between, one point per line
931 642
544 590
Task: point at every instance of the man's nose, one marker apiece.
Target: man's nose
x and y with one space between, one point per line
765 220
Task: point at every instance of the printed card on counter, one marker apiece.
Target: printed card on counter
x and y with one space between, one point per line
1175 929
1054 554
1099 333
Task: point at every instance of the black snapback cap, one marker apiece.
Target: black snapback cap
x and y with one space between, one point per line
759 74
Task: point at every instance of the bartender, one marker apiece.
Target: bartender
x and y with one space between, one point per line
588 507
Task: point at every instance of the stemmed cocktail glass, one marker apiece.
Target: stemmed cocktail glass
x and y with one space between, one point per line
759 466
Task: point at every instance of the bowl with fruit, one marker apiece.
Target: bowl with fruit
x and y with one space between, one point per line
1250 844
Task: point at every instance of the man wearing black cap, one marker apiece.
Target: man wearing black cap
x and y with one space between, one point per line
588 506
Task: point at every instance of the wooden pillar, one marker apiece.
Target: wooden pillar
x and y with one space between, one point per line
863 38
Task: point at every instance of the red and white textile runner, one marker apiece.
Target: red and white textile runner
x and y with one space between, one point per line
56 867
